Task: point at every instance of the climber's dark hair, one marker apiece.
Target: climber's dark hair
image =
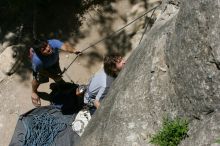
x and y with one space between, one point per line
110 64
38 44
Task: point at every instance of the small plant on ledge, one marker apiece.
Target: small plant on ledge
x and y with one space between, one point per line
172 132
217 141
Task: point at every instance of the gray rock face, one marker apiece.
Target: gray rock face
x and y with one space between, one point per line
174 72
193 57
10 59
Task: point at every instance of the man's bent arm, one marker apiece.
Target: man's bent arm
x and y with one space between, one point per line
96 103
101 94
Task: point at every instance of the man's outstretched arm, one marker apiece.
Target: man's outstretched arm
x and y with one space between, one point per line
69 48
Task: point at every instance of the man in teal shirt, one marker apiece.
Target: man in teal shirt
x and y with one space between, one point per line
45 63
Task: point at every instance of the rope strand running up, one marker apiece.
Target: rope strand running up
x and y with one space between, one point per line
113 33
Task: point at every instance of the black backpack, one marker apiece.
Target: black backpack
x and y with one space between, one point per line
65 95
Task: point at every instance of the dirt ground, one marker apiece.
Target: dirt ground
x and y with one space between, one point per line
15 90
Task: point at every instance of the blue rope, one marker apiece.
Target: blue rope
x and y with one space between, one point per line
42 129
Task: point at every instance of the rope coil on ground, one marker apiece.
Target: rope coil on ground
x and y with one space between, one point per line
42 129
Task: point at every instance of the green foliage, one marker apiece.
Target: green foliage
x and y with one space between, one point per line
172 132
217 141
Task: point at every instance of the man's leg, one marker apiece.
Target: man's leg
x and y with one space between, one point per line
37 80
34 97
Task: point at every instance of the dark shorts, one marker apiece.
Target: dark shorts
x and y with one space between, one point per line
41 78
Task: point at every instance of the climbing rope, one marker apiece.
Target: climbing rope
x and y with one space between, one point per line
146 26
42 129
113 33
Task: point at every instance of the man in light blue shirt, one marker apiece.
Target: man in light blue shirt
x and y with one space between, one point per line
45 63
102 80
46 60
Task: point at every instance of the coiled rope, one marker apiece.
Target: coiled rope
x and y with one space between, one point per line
42 129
